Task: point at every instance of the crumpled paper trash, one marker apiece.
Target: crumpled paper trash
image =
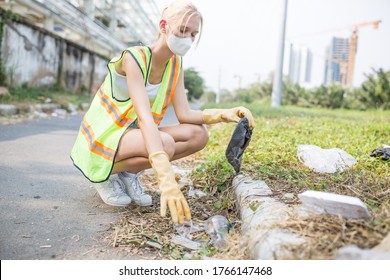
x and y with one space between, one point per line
325 160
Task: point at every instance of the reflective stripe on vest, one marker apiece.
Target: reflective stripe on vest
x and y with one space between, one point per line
119 118
108 118
95 146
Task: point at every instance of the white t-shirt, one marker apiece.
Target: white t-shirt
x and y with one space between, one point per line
121 92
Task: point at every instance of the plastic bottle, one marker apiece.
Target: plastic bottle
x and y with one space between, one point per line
186 229
217 228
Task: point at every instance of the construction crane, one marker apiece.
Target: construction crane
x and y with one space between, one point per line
342 63
353 41
344 73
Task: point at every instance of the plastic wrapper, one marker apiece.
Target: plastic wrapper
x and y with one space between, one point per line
238 143
186 229
325 160
185 242
192 192
383 153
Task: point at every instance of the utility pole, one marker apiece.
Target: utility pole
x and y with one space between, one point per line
276 100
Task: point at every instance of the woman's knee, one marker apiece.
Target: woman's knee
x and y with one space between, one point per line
168 144
199 136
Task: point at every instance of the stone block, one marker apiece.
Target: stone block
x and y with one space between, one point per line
246 187
85 106
47 108
334 204
274 244
4 91
7 110
59 113
72 108
263 211
352 252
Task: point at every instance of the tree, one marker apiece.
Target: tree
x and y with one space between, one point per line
377 89
327 96
293 94
255 92
353 99
194 83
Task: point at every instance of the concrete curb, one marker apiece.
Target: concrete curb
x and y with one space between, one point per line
260 214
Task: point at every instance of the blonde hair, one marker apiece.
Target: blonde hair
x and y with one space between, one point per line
178 11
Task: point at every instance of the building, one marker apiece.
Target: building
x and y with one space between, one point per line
300 65
309 66
103 26
336 61
68 42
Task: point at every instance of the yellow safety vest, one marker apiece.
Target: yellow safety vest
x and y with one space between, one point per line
108 118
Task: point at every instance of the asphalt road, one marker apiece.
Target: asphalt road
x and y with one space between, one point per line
48 209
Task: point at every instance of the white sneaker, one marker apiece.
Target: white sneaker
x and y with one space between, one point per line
134 188
112 192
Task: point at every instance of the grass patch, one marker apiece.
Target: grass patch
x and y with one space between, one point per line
260 109
272 153
272 156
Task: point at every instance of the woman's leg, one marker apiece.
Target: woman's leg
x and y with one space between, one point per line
178 141
189 138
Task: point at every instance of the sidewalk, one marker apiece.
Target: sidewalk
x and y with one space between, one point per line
49 210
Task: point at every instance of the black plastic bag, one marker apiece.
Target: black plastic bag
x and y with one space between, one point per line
381 152
238 143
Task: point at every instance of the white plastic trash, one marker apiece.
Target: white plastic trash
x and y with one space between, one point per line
325 160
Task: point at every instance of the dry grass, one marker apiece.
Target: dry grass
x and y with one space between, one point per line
328 233
142 231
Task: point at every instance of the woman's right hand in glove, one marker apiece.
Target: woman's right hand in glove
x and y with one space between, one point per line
171 195
212 116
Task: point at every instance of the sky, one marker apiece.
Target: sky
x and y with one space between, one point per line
240 38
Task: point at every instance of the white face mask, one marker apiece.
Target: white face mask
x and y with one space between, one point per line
179 45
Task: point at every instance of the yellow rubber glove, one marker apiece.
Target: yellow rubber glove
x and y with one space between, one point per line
212 116
170 192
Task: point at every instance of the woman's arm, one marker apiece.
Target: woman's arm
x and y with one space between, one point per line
139 96
182 109
209 116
